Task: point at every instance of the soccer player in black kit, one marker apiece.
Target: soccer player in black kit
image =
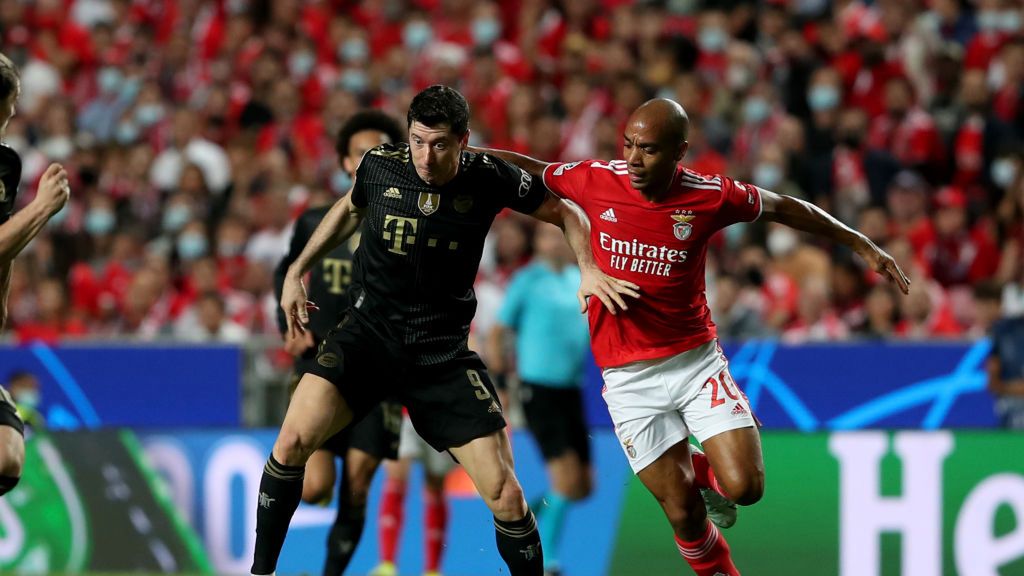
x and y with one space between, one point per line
363 445
16 231
425 209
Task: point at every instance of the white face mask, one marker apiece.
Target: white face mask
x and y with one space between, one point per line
781 241
1003 172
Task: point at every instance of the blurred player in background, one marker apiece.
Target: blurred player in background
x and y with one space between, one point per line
541 313
665 374
363 446
16 231
436 466
427 207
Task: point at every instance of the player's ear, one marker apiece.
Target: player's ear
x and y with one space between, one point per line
683 148
464 141
348 165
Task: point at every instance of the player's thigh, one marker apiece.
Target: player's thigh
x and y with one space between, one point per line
670 479
316 412
361 365
735 456
453 403
489 464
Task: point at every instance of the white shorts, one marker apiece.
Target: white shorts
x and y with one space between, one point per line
410 445
656 404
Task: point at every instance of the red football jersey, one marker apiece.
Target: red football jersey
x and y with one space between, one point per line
660 246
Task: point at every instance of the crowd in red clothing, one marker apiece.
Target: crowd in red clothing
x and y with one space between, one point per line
195 131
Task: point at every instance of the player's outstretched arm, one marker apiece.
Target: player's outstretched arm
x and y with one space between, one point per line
533 166
338 225
807 217
593 282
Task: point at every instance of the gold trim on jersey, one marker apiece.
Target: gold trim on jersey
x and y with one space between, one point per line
401 154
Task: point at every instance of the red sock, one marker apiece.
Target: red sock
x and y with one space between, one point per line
709 554
704 476
391 512
436 522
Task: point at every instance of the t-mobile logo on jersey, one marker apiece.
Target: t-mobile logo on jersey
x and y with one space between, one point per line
636 256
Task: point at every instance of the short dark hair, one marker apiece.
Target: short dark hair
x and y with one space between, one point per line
368 120
439 105
8 77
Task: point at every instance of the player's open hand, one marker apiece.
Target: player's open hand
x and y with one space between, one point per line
609 290
881 262
295 305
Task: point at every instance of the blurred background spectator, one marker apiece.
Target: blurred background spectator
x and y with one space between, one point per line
195 132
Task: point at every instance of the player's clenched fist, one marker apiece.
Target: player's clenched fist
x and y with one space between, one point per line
54 190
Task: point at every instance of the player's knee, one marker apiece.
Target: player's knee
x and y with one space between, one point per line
507 501
680 516
744 488
293 448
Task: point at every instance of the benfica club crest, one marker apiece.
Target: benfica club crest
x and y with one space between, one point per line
428 202
682 228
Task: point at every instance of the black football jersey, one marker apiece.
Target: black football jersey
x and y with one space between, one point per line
10 177
421 245
329 279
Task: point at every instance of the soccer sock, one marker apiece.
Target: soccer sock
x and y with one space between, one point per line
346 531
436 522
704 476
391 512
709 554
280 492
519 545
550 521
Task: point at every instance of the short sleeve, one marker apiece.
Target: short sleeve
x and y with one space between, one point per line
521 191
511 311
741 202
566 179
359 198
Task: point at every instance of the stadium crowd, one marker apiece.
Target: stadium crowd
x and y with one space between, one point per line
196 131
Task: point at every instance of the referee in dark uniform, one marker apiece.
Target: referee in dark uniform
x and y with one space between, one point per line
364 445
16 230
425 209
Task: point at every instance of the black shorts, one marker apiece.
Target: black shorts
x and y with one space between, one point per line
449 403
555 417
9 412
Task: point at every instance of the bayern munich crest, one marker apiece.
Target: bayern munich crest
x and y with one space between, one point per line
682 228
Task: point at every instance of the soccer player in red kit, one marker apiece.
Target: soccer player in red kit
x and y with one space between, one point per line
665 375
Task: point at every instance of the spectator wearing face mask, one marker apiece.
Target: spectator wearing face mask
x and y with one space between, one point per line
24 389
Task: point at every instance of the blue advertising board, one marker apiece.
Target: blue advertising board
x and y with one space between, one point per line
214 477
853 385
135 386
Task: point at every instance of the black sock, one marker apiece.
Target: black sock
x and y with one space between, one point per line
519 545
344 536
280 492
